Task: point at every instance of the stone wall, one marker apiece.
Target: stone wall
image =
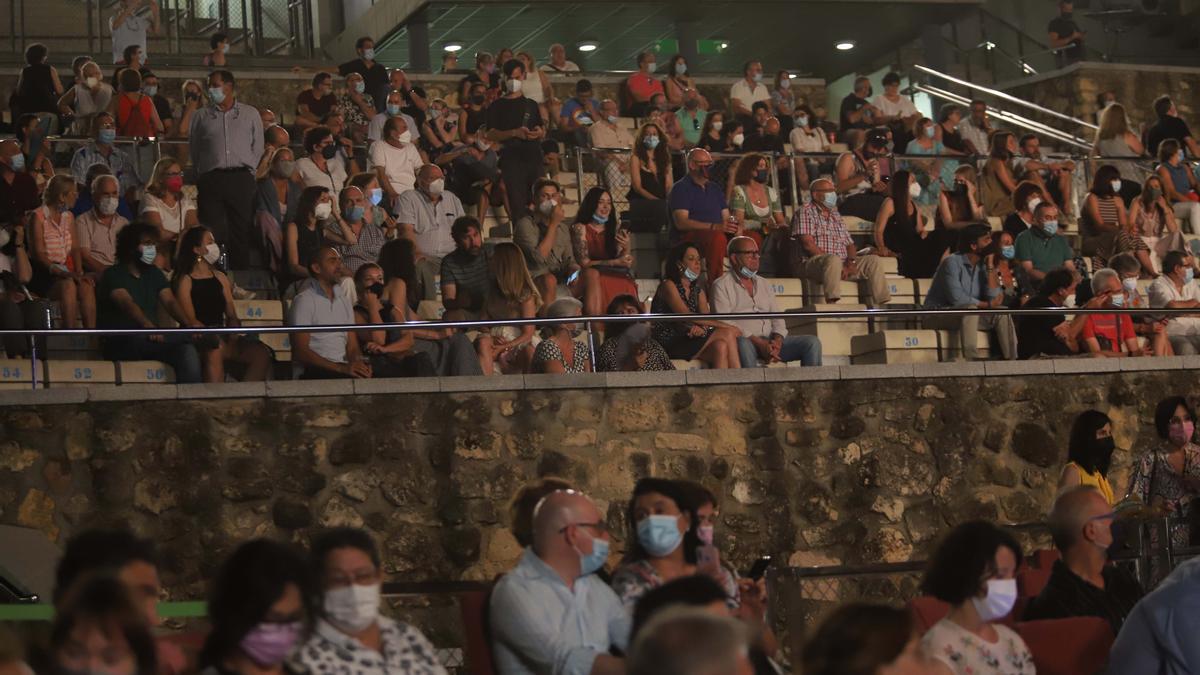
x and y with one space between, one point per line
823 469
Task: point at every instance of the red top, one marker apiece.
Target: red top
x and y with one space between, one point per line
133 117
1105 325
642 86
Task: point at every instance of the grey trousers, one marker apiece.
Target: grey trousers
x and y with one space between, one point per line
968 324
454 355
1185 345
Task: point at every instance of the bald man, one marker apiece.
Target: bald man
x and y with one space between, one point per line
551 614
426 214
1083 583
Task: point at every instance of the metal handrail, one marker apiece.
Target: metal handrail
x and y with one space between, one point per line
1007 97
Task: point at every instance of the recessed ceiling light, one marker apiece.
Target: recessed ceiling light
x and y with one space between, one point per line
724 45
844 45
587 46
452 47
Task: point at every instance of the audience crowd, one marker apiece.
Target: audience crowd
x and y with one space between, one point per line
371 158
672 603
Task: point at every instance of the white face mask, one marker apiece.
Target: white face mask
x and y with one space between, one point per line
404 137
717 125
91 82
107 205
482 143
1001 596
547 207
514 86
323 210
437 187
914 190
353 608
738 139
5 237
1033 203
785 83
212 253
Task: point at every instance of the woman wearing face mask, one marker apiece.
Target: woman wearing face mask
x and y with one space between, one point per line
260 609
974 570
276 201
350 636
604 251
166 207
808 136
58 271
1180 186
1002 254
735 135
650 170
662 542
711 138
713 342
473 114
205 297
934 173
194 98
901 232
783 101
1168 477
1154 221
757 209
958 205
1089 454
1105 219
559 351
305 234
98 629
89 96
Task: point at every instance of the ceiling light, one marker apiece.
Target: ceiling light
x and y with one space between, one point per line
844 45
452 47
587 46
792 76
724 45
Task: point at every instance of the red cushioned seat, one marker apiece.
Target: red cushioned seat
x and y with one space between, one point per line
927 610
1043 558
1031 581
473 606
1075 646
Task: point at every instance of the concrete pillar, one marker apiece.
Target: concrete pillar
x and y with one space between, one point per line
418 42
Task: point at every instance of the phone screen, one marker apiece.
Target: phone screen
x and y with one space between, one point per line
571 279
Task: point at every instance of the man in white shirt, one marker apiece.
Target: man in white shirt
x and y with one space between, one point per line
552 614
558 61
894 107
395 159
1175 289
425 215
129 26
323 302
608 133
395 100
742 290
747 91
976 127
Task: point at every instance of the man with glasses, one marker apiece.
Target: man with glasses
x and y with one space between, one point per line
551 614
975 129
1082 583
699 212
742 290
824 252
691 118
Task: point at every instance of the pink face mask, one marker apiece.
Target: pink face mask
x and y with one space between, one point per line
1181 433
268 644
705 534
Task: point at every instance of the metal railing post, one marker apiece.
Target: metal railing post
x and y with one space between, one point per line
591 337
256 13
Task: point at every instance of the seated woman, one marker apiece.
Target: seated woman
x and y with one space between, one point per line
958 205
559 351
98 628
1180 186
1106 228
900 230
679 83
1025 199
166 207
711 136
807 136
662 543
713 342
305 234
650 176
932 174
512 295
604 250
1003 252
57 262
867 639
1089 454
1154 221
205 297
974 570
758 211
628 346
999 175
260 609
350 573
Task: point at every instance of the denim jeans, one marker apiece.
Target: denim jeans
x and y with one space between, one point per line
803 348
176 351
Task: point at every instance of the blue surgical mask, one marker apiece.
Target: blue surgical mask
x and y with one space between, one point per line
1050 227
830 199
148 253
597 218
353 214
376 196
802 121
930 131
1179 155
369 54
393 109
747 272
1118 300
691 276
659 535
217 94
17 162
1009 252
1188 275
360 87
612 119
650 142
592 562
107 136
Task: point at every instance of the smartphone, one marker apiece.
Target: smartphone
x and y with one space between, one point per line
571 279
708 558
760 568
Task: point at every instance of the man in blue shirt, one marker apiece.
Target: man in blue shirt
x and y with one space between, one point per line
969 280
699 213
1160 634
551 614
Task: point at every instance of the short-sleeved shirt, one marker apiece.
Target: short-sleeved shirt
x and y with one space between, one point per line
1163 291
561 260
1067 594
826 228
173 218
132 31
318 107
468 273
643 86
431 222
1062 27
375 129
749 94
399 164
691 126
163 107
375 76
965 653
1116 329
1167 127
702 203
334 177
1035 333
97 239
567 67
572 104
143 289
312 307
899 108
1045 252
852 104
604 135
506 114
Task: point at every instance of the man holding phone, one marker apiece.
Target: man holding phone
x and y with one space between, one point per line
545 239
129 26
514 121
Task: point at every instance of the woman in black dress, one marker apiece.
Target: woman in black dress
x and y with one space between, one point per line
682 292
900 230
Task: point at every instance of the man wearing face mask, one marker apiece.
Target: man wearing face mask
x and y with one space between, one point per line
1082 583
823 250
969 280
102 150
393 107
545 238
426 215
515 121
1052 335
1111 335
551 614
226 143
642 85
1176 288
690 118
699 212
98 228
1040 248
742 290
857 111
747 91
395 160
351 629
129 295
375 76
607 134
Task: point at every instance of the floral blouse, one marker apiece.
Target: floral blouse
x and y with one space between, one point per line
405 651
656 357
967 654
634 579
1154 480
549 350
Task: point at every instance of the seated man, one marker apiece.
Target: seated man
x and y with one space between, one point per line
699 213
392 108
642 85
860 175
1082 582
741 290
85 203
1111 335
1170 126
1040 248
551 614
1175 288
747 91
1055 177
578 113
322 301
426 215
1050 335
465 272
101 150
824 252
1159 635
969 280
545 238
98 228
607 133
129 295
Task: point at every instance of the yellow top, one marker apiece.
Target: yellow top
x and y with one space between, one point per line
1095 480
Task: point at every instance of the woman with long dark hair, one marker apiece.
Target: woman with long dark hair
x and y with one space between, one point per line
305 233
1167 477
1089 454
604 251
901 231
681 292
1106 227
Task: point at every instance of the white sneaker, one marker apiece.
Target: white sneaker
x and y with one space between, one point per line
240 293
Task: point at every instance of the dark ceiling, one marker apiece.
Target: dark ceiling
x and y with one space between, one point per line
797 35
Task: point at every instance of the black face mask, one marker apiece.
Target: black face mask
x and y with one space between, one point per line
1102 451
476 99
377 289
329 151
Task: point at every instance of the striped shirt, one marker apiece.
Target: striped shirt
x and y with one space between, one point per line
468 273
56 235
366 250
824 226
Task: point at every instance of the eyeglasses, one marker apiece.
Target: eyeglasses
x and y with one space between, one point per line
599 527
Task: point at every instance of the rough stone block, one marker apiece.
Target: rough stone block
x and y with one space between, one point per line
738 376
133 392
658 378
566 381
305 388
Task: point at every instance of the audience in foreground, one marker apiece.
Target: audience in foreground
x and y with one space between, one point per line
691 641
864 639
1159 636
